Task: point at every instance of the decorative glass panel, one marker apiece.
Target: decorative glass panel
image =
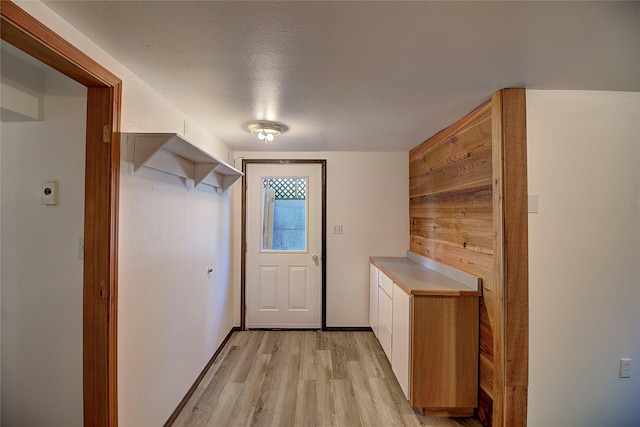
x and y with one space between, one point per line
284 214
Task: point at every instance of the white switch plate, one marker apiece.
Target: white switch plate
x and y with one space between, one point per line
80 247
533 203
337 229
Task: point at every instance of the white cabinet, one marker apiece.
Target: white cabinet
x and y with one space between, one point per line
385 320
401 344
373 298
385 313
381 308
385 283
391 323
428 325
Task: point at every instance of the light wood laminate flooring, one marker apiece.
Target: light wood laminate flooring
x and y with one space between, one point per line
303 378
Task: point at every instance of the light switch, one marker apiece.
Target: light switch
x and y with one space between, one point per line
533 203
80 247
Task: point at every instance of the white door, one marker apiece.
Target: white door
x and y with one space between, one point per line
284 245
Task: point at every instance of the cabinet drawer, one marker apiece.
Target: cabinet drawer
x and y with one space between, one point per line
385 337
385 309
385 283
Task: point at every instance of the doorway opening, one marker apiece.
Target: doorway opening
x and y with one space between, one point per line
102 166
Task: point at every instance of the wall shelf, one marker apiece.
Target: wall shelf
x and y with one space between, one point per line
173 154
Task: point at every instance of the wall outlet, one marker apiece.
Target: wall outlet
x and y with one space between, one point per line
337 229
49 194
625 368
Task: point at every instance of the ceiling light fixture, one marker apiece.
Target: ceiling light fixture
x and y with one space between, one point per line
266 130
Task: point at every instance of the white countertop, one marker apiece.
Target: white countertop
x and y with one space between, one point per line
418 279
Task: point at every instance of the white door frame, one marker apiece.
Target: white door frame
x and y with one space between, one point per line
323 237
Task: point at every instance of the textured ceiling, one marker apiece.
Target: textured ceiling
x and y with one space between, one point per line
358 75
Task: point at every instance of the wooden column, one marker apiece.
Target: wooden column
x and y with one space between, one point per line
510 219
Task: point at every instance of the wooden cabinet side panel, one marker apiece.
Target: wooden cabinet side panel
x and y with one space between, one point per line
445 352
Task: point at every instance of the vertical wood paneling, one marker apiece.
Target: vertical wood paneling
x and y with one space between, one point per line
498 298
511 261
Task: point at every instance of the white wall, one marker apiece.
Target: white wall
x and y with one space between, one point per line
172 316
22 89
584 249
1 335
143 109
41 273
368 194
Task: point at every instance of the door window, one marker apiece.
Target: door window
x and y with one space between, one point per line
284 214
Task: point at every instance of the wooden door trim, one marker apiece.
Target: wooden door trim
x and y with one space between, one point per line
243 244
101 203
511 268
28 34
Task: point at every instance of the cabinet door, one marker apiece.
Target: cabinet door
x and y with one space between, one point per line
373 298
385 321
401 344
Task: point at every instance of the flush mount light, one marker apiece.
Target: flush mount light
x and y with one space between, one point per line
266 130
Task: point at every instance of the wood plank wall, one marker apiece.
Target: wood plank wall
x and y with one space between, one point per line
467 206
451 217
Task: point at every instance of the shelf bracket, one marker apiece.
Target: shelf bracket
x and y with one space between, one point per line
202 170
143 152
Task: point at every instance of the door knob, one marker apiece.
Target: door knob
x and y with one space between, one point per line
315 258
